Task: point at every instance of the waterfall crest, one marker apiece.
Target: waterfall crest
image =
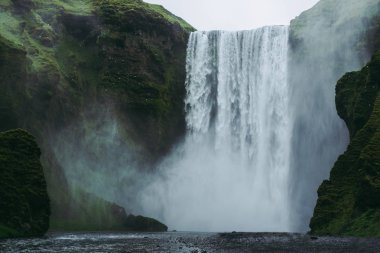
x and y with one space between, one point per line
237 90
232 171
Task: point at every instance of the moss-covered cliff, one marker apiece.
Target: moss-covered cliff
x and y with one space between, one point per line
349 203
327 41
24 201
59 59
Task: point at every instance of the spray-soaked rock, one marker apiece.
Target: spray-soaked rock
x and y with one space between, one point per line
24 202
349 203
140 223
61 59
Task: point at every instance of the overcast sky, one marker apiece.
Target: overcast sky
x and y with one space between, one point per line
235 14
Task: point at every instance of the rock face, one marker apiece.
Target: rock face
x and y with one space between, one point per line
60 58
327 41
349 203
24 205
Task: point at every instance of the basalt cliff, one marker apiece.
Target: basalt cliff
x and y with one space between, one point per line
62 62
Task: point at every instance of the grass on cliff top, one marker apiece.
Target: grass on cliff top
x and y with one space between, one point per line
86 7
82 7
151 9
170 17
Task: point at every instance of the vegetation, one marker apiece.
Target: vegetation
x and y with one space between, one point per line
59 58
120 7
24 206
349 202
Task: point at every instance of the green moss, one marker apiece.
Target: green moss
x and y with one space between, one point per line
367 224
21 32
349 202
24 206
59 58
12 72
10 29
82 7
118 7
355 101
169 16
40 56
6 232
79 65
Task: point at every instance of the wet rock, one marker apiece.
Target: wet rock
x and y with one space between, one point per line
24 202
141 223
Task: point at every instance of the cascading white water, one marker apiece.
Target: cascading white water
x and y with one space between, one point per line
232 171
237 92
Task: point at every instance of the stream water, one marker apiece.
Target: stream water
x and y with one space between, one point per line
188 242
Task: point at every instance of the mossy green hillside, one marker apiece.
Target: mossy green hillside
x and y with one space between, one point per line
349 203
24 205
118 8
61 58
144 64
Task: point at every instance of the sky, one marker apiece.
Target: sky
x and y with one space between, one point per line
235 14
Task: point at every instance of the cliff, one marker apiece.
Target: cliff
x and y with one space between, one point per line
327 41
62 60
332 38
348 202
24 205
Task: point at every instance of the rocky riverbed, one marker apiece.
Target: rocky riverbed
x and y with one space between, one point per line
188 242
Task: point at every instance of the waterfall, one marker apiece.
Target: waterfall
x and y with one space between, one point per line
232 172
237 93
